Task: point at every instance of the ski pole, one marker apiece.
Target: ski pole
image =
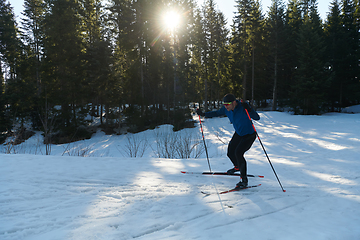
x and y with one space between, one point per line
207 155
264 150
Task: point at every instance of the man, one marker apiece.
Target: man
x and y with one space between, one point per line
244 135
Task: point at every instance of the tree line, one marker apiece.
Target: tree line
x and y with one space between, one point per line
67 59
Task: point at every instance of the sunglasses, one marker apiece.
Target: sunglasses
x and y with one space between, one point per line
227 103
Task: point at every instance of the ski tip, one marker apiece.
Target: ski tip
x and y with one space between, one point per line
261 176
284 190
182 171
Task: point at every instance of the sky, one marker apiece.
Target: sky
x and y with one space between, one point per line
225 6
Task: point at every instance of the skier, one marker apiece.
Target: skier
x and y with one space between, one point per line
244 135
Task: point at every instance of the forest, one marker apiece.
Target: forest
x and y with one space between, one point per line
142 63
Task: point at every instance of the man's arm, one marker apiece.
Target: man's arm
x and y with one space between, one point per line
253 114
218 113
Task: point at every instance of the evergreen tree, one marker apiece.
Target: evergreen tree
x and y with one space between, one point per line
277 47
336 42
98 60
121 18
349 87
248 47
216 44
9 42
34 12
21 90
293 22
197 49
241 44
4 120
151 63
63 59
9 55
210 36
204 49
138 51
258 51
183 55
223 57
310 83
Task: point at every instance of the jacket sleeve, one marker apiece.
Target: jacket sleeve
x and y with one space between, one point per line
254 115
218 113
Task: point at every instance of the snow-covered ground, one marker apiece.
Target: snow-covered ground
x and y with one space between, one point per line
112 196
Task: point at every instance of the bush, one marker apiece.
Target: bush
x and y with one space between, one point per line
177 145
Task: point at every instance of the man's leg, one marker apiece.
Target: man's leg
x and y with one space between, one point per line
244 144
231 152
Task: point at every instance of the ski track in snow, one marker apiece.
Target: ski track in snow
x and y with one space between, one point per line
74 198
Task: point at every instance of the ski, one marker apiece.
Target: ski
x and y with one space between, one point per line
220 174
233 190
239 189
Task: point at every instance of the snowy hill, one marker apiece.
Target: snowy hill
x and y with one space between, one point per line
110 196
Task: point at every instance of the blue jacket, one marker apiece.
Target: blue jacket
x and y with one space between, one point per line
238 118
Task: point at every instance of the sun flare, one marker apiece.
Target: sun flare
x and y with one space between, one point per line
171 19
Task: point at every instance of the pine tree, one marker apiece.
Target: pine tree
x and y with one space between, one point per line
98 59
21 90
121 18
293 22
349 87
63 59
9 57
277 45
258 52
184 67
4 120
216 44
9 42
241 44
248 47
335 52
310 81
34 13
197 49
223 57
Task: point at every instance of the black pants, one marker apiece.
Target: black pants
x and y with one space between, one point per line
236 150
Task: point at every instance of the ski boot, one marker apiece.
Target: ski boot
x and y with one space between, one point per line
233 170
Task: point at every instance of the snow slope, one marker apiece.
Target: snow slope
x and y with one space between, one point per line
109 196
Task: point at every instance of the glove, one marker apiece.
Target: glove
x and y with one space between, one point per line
246 106
200 113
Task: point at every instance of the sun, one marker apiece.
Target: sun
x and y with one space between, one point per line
171 19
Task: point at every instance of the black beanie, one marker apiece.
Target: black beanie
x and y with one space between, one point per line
229 98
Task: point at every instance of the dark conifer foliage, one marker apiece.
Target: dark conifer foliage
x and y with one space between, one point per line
9 48
121 61
277 52
310 79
